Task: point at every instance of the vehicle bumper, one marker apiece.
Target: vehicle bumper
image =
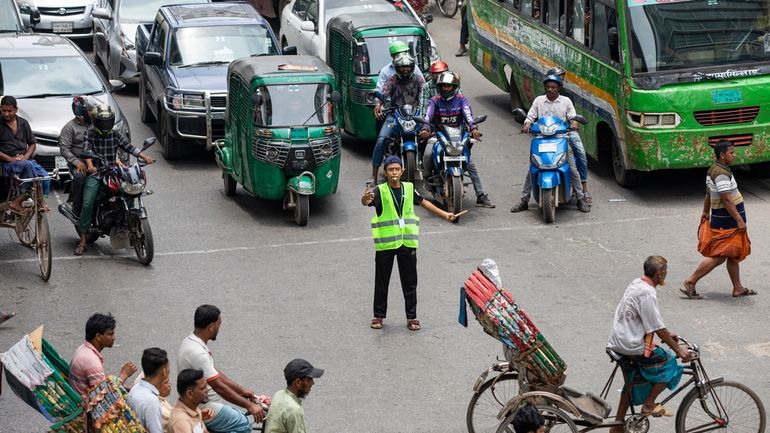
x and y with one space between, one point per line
205 125
650 149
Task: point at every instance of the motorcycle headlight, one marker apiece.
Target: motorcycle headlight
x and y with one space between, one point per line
132 188
549 129
407 125
562 159
186 100
454 149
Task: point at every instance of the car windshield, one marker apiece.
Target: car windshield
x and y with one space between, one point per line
145 10
338 7
372 54
293 105
42 76
219 44
8 20
673 35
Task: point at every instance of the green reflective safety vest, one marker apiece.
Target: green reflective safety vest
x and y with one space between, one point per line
386 230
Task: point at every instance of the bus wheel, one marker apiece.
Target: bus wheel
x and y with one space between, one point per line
623 176
515 98
760 169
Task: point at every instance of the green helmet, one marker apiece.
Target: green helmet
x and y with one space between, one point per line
398 47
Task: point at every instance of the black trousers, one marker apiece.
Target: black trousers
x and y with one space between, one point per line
464 27
76 190
407 270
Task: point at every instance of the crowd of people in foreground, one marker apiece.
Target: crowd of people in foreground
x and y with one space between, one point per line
208 400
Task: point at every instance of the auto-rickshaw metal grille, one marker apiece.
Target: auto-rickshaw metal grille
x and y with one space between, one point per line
318 145
359 96
277 149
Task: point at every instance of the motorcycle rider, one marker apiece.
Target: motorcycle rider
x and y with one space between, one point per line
429 90
71 142
405 87
395 48
103 142
553 104
581 160
450 107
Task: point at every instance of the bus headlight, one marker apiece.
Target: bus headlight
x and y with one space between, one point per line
654 120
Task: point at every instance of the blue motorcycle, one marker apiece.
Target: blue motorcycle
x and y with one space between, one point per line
451 154
404 144
549 163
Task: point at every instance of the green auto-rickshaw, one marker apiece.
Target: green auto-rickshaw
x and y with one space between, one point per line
357 48
281 140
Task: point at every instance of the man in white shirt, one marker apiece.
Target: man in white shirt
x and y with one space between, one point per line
144 397
553 104
195 354
637 319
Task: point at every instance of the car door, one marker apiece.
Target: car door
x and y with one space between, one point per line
293 16
308 37
100 29
154 80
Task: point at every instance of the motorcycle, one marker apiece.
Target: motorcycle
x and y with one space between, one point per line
403 143
451 147
549 162
118 211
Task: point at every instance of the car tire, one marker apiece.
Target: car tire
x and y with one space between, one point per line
171 147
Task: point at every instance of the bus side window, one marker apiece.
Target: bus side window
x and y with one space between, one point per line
580 21
604 26
554 10
526 8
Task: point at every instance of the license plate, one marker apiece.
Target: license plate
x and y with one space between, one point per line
61 163
62 27
726 96
546 147
454 158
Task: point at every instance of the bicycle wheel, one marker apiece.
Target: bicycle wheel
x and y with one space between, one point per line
556 421
43 245
447 7
727 406
487 402
25 229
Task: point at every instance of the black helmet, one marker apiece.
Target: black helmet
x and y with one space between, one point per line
404 59
103 119
448 78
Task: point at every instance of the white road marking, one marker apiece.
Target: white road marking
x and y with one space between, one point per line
343 240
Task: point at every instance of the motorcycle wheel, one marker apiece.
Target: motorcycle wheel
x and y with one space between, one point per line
144 246
455 195
302 210
548 204
410 166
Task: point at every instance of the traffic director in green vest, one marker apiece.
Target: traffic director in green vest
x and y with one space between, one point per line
396 229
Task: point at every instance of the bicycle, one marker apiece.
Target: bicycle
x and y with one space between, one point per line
566 410
31 223
491 394
449 7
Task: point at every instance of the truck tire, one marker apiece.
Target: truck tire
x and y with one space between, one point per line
172 148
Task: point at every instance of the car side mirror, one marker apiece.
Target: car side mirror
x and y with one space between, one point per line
334 97
116 85
152 58
427 18
101 13
34 16
307 26
147 143
290 50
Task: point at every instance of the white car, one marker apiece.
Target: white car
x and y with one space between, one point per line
303 22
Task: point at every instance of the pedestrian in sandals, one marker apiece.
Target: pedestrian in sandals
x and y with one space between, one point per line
395 230
722 235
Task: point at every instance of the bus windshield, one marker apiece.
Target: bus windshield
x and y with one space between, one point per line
673 35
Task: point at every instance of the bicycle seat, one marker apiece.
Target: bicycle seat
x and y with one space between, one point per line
592 408
624 361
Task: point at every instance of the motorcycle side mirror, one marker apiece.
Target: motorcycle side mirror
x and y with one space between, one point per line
580 119
480 119
334 97
148 142
519 115
427 18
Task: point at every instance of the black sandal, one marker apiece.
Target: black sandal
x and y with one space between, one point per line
690 294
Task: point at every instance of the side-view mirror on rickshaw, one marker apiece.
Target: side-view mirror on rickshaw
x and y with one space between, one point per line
519 115
256 98
289 50
480 119
335 97
427 18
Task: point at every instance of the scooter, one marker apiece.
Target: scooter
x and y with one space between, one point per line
549 163
451 155
119 212
404 143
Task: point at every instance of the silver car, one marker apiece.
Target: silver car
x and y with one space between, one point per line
115 24
44 72
70 18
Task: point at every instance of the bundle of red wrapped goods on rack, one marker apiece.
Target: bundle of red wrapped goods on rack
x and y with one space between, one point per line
502 318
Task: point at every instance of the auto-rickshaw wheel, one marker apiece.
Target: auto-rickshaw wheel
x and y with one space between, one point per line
301 209
229 184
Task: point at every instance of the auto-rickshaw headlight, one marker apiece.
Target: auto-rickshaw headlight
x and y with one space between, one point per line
326 151
272 153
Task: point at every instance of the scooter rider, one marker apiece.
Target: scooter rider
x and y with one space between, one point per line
450 107
581 160
101 140
71 143
405 87
553 104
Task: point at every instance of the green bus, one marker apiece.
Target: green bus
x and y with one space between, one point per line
660 81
